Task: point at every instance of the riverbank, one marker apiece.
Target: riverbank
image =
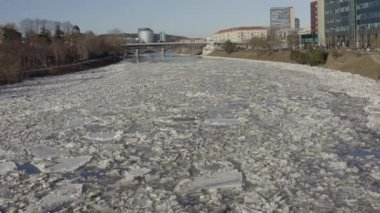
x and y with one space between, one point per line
70 68
67 68
364 64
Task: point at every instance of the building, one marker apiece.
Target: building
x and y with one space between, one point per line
130 40
307 38
162 37
321 22
145 35
240 34
298 23
283 18
76 30
340 23
314 17
368 23
352 23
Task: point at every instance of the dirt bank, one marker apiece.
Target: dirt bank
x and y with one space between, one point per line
364 64
280 56
69 68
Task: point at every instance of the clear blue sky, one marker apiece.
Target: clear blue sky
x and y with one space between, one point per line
193 18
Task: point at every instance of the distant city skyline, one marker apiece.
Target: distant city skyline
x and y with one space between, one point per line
195 18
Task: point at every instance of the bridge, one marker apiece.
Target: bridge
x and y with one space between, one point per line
139 48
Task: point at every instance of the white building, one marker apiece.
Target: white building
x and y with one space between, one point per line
145 35
240 34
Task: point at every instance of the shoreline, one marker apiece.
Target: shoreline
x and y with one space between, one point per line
348 62
298 67
67 68
72 68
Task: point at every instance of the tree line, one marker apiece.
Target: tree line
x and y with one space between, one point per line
38 43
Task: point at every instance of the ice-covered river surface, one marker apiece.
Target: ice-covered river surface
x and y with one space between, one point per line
206 135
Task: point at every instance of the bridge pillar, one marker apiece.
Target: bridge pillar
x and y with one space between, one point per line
125 54
137 53
162 52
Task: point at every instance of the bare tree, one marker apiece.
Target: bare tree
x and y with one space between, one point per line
37 25
67 28
57 48
293 40
89 33
10 26
259 43
50 26
115 31
115 40
26 27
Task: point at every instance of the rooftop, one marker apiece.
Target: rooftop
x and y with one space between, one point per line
242 28
145 29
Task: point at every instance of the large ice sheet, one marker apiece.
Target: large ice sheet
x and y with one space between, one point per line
44 152
7 167
64 194
105 135
227 179
67 164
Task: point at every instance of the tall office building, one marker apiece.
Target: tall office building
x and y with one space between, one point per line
283 18
368 22
352 23
340 17
298 23
162 36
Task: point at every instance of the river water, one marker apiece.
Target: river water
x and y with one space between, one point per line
169 57
181 133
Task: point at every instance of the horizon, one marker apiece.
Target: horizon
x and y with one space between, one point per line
190 19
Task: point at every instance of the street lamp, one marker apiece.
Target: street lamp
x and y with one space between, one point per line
366 35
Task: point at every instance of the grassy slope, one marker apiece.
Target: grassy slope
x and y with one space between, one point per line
280 56
362 64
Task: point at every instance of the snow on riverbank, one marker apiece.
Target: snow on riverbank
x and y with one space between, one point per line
211 135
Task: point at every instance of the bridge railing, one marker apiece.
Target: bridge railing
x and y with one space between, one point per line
166 44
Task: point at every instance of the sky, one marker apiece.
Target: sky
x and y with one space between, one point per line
192 18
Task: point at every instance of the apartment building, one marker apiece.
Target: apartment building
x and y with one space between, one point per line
240 34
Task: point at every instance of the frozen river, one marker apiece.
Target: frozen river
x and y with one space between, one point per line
191 135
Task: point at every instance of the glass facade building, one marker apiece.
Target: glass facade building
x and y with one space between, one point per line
282 18
298 23
340 22
352 23
368 14
368 23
